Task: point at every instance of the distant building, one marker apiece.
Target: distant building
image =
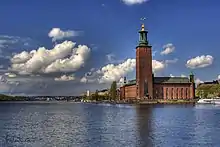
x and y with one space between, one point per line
146 86
88 93
210 82
103 92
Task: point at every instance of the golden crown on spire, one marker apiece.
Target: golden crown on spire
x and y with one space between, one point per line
142 27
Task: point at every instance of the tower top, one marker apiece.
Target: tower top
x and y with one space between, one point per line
142 27
143 41
142 21
191 73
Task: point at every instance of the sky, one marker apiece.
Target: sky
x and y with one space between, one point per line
65 48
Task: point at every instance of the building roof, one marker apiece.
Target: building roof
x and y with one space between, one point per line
165 80
210 82
159 80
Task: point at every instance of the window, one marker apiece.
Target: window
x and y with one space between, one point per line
181 93
166 92
177 90
171 93
186 92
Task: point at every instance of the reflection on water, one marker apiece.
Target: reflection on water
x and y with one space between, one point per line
82 125
144 127
207 106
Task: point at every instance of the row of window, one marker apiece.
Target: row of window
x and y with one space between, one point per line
174 93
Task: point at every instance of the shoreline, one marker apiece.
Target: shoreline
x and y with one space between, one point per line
149 102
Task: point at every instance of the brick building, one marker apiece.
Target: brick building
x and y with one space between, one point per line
146 86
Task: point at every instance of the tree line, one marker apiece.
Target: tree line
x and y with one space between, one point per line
208 91
110 95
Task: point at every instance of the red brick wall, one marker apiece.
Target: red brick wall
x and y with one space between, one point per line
122 93
144 70
130 92
173 91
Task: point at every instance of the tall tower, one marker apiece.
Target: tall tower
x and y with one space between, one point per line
192 86
144 78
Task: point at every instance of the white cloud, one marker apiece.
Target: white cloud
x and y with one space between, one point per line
168 48
112 59
171 61
37 61
218 77
58 34
171 75
110 72
73 63
65 78
22 57
113 72
182 75
198 81
200 61
157 65
132 2
62 58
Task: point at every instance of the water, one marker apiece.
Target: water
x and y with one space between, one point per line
91 125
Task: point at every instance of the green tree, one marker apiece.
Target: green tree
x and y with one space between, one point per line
113 93
96 95
208 91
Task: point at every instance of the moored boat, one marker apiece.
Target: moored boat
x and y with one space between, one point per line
209 101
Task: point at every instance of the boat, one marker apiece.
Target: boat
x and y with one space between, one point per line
209 101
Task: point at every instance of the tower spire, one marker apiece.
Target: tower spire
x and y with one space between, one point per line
142 27
143 35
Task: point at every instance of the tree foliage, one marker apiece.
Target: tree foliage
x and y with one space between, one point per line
12 98
208 90
113 90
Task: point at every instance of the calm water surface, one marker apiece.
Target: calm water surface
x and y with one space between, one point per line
91 125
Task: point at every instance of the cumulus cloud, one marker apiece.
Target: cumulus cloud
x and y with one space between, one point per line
182 75
200 61
132 2
73 63
112 72
218 77
65 78
63 57
168 48
58 34
112 59
198 81
22 57
158 65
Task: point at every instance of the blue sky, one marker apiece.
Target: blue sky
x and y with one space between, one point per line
185 29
